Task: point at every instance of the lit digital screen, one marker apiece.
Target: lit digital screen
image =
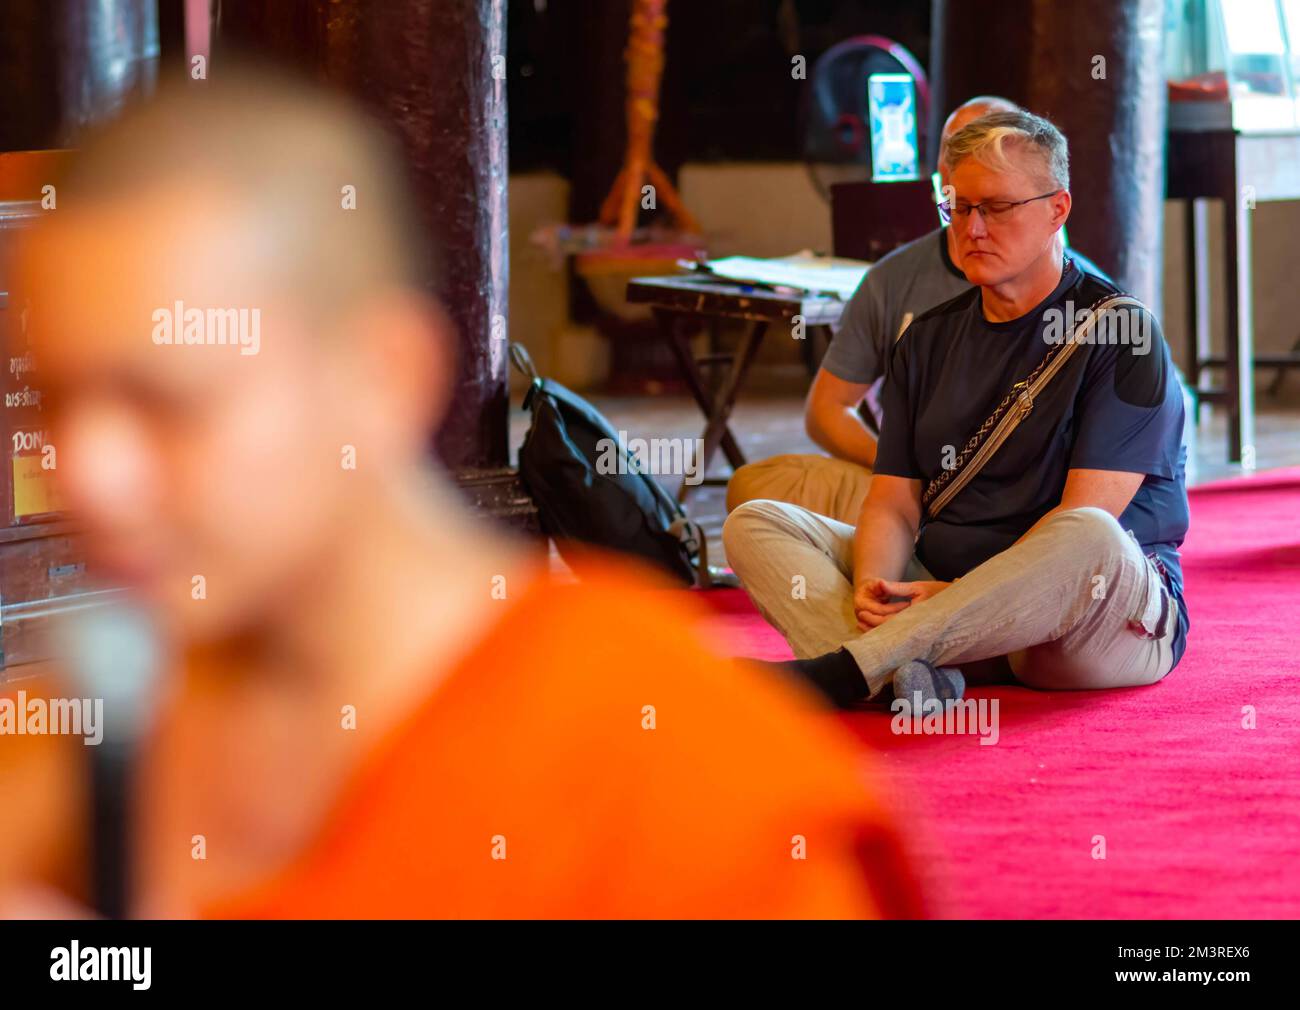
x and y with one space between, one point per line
891 106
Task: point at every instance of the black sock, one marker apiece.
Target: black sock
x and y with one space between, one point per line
836 675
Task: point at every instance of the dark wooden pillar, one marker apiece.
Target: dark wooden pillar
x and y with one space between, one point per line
425 67
1049 58
65 64
173 58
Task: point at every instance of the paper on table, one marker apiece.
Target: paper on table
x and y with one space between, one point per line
818 274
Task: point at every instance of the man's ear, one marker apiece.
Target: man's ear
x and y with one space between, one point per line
404 353
1061 204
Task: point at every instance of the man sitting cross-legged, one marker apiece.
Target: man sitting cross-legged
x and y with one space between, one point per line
899 287
1061 553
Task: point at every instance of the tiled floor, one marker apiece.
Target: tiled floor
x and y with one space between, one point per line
768 425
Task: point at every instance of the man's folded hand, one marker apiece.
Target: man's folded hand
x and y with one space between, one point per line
872 599
871 603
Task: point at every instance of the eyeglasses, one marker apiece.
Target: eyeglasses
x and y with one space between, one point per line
990 210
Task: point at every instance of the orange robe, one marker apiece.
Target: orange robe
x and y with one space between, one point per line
590 757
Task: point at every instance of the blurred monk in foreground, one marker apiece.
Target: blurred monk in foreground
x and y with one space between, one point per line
381 706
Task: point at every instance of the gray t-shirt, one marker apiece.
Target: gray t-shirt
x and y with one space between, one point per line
912 279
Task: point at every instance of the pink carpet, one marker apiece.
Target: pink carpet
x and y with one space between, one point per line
1200 816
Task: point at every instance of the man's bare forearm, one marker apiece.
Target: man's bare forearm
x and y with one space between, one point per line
842 433
1038 525
882 544
1108 490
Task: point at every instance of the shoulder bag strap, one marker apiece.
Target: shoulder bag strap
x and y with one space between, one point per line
1013 409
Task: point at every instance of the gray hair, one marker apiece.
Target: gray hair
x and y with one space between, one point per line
984 139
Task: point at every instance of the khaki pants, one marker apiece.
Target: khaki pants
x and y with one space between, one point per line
1074 606
821 484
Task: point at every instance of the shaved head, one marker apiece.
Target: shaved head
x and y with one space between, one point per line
972 109
252 207
314 188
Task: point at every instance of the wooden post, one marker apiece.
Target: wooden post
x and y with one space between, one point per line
434 72
1096 70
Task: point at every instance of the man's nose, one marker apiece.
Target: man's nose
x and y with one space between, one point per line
975 224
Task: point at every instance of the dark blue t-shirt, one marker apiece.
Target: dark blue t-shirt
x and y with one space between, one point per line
1115 405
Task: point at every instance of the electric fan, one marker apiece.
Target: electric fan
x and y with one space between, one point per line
836 135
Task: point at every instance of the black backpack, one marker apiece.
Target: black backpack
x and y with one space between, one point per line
560 464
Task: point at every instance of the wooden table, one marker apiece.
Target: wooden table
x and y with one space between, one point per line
1242 170
683 305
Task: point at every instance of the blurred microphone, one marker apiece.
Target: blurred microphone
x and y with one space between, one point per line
112 654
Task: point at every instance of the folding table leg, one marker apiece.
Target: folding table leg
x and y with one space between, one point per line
717 430
671 328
